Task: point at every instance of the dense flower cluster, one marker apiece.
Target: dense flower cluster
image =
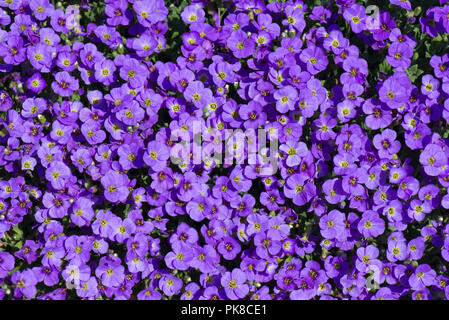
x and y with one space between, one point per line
92 205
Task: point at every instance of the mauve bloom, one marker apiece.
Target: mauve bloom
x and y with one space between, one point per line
58 174
197 94
399 56
40 57
156 155
346 111
11 49
28 163
52 255
180 257
234 284
380 25
240 44
405 4
28 252
130 114
394 91
205 259
170 284
82 211
423 276
117 13
356 16
104 72
144 46
133 72
379 116
299 190
193 14
110 271
191 291
229 248
92 132
66 61
315 59
333 190
371 225
253 115
416 248
268 243
433 158
430 86
440 65
41 9
366 256
25 282
295 151
149 12
6 263
336 42
286 99
115 186
332 225
149 294
397 250
386 143
306 289
64 84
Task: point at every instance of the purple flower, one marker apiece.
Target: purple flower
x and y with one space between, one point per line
285 99
133 72
366 256
240 44
26 283
371 225
229 248
104 72
234 284
110 271
115 186
386 143
423 276
392 91
430 86
315 59
332 225
397 250
433 159
299 190
156 156
64 84
170 285
294 151
193 14
40 57
11 49
252 114
399 56
6 263
379 116
58 174
180 257
356 16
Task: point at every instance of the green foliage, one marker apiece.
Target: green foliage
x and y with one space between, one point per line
414 72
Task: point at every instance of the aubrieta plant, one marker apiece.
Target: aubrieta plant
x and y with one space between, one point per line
112 114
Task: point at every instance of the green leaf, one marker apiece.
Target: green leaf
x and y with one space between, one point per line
385 67
17 230
19 244
414 72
